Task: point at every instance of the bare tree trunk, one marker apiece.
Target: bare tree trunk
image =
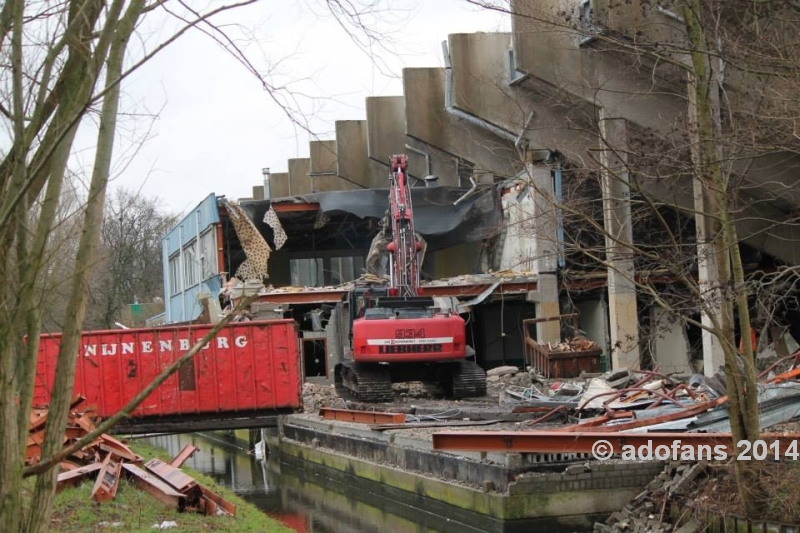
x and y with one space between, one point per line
11 450
741 387
41 507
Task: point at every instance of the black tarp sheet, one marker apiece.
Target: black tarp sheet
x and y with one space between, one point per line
437 218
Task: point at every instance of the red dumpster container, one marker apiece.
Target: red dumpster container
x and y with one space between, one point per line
248 367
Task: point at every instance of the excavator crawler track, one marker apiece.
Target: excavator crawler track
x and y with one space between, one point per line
468 380
364 382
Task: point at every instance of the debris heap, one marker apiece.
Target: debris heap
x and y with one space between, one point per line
107 459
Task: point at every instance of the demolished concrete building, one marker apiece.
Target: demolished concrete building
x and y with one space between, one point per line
522 150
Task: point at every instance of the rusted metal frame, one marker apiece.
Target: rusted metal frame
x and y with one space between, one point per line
553 412
294 207
795 356
616 394
452 423
641 422
218 500
175 477
362 417
160 490
112 445
183 455
105 486
786 376
40 421
566 442
672 393
75 476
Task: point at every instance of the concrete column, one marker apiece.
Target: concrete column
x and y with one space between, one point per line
670 346
545 252
623 315
708 282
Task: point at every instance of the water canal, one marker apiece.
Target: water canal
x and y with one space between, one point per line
307 501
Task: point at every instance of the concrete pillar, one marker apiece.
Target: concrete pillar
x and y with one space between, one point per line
623 315
545 252
669 343
708 282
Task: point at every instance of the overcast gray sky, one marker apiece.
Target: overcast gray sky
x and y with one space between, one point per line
208 125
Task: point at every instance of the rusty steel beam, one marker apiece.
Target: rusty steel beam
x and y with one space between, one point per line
175 477
596 423
111 445
160 490
183 456
72 477
362 417
105 486
295 207
218 501
571 442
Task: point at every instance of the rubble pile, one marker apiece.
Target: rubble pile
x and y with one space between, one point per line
316 396
572 345
107 459
647 511
498 379
644 400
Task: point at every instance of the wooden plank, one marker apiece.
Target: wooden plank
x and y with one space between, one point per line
105 486
175 477
74 477
159 489
184 454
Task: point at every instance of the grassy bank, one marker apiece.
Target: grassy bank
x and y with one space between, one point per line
134 510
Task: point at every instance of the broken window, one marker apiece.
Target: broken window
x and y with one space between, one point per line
175 274
190 265
323 271
208 254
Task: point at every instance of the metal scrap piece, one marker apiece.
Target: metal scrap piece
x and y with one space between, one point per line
183 455
159 489
105 486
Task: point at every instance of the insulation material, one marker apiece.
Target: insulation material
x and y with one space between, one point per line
254 267
271 220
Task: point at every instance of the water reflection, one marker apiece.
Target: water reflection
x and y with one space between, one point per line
308 502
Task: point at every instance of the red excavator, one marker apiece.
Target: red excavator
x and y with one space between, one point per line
396 334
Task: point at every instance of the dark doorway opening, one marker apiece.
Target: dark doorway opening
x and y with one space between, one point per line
314 360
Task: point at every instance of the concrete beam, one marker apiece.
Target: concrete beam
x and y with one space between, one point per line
323 173
353 162
279 185
299 180
385 127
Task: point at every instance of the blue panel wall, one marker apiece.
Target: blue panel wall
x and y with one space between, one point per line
183 306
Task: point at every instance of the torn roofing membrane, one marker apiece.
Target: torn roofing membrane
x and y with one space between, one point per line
437 218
